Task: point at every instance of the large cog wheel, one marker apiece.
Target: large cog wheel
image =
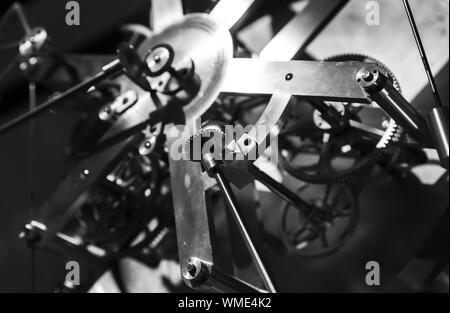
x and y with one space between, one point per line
323 172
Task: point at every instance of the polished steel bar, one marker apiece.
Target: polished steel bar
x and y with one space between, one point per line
227 283
229 12
437 121
322 80
191 213
301 30
235 212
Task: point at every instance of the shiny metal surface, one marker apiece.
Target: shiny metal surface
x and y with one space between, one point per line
208 44
229 12
164 13
191 214
376 84
282 48
210 47
33 41
438 123
303 27
322 80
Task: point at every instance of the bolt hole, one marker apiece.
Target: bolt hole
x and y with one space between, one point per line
289 76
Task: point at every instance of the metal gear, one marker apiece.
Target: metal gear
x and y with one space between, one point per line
209 130
338 211
365 163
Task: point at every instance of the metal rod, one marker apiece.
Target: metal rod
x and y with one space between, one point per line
232 204
17 9
230 12
280 190
378 86
438 124
225 282
108 71
31 129
9 45
423 54
21 15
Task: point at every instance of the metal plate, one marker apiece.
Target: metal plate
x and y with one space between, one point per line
165 12
334 81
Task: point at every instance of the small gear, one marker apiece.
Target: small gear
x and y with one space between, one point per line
211 130
364 162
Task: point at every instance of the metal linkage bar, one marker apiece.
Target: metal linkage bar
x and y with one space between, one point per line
309 79
199 273
108 71
301 30
438 118
192 220
288 42
215 171
229 12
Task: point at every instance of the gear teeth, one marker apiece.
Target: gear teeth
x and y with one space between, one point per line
360 57
213 126
208 127
392 134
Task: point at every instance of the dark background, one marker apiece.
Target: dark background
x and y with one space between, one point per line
98 33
